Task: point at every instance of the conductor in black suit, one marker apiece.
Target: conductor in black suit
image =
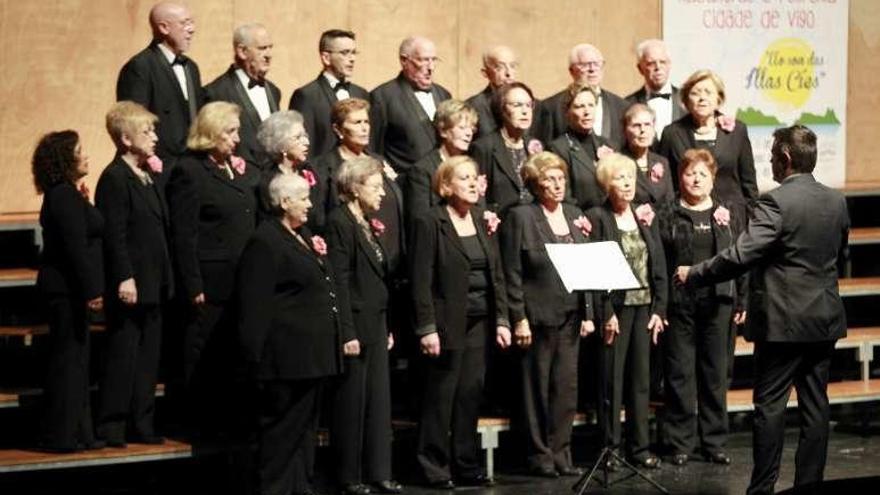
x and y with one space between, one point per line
402 109
586 66
794 246
338 51
165 81
139 277
657 92
293 334
245 84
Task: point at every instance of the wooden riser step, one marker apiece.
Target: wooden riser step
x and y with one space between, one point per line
28 332
13 460
855 337
838 393
18 277
19 221
862 286
12 398
864 235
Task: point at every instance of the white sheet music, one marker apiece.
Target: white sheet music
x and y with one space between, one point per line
592 266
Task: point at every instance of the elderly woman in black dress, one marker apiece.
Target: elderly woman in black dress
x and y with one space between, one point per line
548 321
361 414
459 304
138 276
653 181
631 319
293 332
71 280
284 138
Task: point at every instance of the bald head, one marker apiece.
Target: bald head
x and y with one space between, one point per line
173 25
586 65
653 63
418 58
500 65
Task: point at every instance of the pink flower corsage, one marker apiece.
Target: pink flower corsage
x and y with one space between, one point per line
726 122
656 172
154 164
722 216
238 164
84 191
319 245
535 147
604 151
309 176
482 184
377 226
645 214
583 223
492 221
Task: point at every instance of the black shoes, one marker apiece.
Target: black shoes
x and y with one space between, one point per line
679 459
477 480
441 485
717 457
613 465
572 471
355 489
387 486
650 461
543 472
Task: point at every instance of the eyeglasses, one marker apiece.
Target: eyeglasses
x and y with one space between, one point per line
422 61
592 64
504 66
300 138
345 53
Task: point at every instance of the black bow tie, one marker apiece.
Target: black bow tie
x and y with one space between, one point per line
665 96
254 82
341 85
178 60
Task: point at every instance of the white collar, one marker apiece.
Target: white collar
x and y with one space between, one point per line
169 55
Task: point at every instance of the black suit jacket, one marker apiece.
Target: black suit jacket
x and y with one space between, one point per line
361 278
289 320
649 191
212 218
149 80
495 162
71 263
135 233
419 194
314 101
439 271
227 87
555 123
400 130
534 289
605 229
583 189
794 245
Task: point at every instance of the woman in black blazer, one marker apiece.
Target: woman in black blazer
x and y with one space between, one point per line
283 136
580 147
293 330
501 154
728 140
361 424
71 279
212 201
695 228
653 179
459 303
548 321
139 278
631 319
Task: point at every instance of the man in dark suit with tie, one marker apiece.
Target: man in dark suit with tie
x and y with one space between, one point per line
403 108
245 84
658 92
795 244
165 81
586 66
338 51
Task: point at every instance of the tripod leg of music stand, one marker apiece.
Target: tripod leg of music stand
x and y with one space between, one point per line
640 474
584 480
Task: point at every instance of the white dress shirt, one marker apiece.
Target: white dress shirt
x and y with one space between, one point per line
662 107
426 100
178 69
257 94
341 92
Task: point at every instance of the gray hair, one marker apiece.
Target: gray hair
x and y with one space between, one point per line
244 34
285 186
353 173
276 131
643 46
408 45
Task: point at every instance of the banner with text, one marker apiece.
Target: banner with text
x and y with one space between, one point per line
782 62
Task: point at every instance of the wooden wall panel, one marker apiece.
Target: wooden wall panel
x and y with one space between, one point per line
61 58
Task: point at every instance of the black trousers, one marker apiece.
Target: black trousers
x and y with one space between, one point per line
129 373
778 366
696 356
549 387
452 393
361 417
627 378
288 423
67 420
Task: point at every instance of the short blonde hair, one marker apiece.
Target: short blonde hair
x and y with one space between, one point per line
697 77
209 124
129 118
353 173
536 168
451 112
609 165
443 174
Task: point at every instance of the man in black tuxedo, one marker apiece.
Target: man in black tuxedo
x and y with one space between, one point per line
658 92
795 244
499 67
402 112
165 81
245 84
586 66
338 51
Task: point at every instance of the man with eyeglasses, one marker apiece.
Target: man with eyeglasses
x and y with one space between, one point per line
402 109
658 92
245 84
587 66
338 51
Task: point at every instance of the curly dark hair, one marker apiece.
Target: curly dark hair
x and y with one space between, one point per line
54 160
